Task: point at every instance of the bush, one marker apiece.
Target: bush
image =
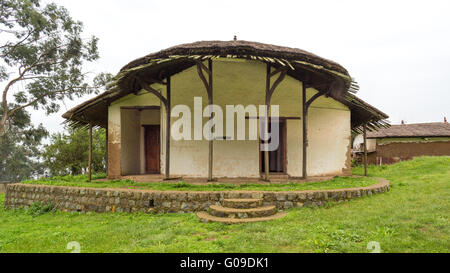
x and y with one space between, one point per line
38 208
355 163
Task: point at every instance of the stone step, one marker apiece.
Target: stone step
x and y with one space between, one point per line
220 211
242 203
272 176
205 217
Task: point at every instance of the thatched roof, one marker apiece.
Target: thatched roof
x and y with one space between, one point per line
326 76
434 129
239 47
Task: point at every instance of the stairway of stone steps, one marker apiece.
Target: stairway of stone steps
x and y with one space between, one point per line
234 211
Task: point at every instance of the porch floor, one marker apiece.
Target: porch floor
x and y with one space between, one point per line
274 179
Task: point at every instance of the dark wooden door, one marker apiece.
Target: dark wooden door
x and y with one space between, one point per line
152 146
277 158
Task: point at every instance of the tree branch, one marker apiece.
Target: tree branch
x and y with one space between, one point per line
13 47
10 113
6 112
3 8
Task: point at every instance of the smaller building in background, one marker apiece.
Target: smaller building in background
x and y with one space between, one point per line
403 142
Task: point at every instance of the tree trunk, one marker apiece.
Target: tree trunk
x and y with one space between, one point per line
3 124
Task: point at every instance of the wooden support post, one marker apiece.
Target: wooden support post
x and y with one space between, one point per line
266 126
365 148
270 89
90 153
168 134
305 130
210 101
209 89
106 148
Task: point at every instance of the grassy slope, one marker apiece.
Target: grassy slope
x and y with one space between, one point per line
412 217
81 181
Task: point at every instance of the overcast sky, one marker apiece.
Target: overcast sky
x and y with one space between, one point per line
398 51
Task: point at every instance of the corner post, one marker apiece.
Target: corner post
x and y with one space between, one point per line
365 148
168 133
90 153
305 130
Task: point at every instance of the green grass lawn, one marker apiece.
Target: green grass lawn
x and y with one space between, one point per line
411 217
81 181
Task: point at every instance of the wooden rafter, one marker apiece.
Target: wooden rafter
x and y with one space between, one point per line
313 98
277 81
203 66
200 68
159 81
278 70
146 86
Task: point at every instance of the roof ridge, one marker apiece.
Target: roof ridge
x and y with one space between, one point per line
283 51
429 129
420 123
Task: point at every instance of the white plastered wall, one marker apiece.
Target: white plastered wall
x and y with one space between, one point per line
328 137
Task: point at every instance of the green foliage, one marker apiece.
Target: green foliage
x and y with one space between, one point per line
20 149
68 153
355 163
38 208
68 178
409 218
42 56
81 181
421 166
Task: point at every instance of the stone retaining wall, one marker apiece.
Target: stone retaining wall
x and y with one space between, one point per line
3 186
124 200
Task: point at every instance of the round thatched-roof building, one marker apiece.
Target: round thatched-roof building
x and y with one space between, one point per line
315 98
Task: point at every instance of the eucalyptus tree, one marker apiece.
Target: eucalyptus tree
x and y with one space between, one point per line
42 56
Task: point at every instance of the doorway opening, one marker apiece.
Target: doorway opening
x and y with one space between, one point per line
277 158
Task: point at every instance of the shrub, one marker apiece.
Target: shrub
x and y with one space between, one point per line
38 208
